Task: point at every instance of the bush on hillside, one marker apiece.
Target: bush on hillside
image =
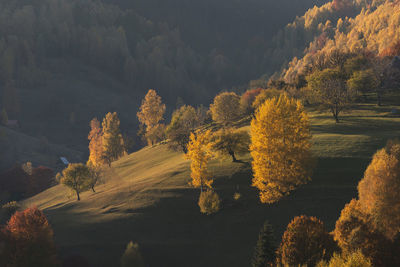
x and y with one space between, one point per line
209 202
132 256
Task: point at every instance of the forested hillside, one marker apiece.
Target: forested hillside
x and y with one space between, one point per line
58 56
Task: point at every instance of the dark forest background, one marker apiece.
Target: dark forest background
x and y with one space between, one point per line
62 62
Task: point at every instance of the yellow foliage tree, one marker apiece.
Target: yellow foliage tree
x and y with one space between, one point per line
280 148
112 141
379 190
199 152
95 144
151 113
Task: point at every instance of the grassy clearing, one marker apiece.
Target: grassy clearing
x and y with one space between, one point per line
146 198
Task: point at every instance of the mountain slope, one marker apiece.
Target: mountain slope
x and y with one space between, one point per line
146 198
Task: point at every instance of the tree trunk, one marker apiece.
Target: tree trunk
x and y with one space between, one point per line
233 156
93 189
378 94
77 194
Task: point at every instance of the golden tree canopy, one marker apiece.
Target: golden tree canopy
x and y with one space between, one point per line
280 148
379 190
199 152
152 109
95 144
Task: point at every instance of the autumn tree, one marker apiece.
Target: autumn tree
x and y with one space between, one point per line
112 141
264 95
264 252
76 176
95 143
355 231
28 240
95 175
150 114
247 99
230 142
305 242
199 153
363 81
355 259
132 256
330 90
280 148
379 190
183 122
226 108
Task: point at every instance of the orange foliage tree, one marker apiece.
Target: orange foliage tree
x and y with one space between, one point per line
28 240
354 231
95 143
379 190
305 242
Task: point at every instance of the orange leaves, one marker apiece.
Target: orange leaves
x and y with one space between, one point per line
29 240
305 242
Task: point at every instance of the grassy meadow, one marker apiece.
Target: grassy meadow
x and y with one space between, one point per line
145 197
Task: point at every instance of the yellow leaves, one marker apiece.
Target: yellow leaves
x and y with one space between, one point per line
151 110
95 144
379 190
199 152
280 148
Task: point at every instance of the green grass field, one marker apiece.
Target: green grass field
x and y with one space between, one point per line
146 198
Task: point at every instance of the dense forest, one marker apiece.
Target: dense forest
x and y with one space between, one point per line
66 61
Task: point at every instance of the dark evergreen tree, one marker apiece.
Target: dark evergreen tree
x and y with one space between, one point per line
264 252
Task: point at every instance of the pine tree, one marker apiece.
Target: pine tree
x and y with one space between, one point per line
112 141
264 252
280 148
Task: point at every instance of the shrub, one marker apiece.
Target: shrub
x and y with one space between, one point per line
209 202
132 256
237 196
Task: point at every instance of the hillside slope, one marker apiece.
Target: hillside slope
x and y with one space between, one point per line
146 198
17 147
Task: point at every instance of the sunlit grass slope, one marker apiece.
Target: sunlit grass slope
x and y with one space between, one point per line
146 198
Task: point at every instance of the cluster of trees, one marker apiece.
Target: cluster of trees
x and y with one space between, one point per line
24 180
348 60
106 144
366 233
